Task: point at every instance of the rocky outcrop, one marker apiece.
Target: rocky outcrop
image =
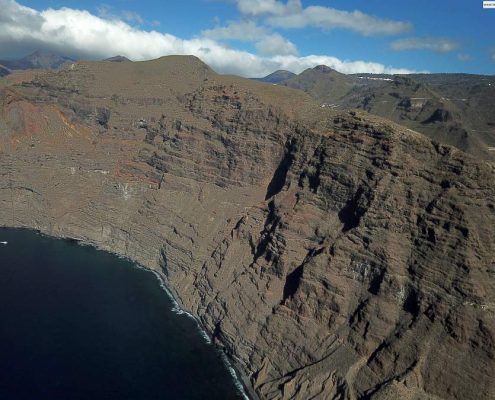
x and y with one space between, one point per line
332 255
439 115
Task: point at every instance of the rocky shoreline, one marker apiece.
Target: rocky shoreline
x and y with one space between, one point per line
333 254
240 378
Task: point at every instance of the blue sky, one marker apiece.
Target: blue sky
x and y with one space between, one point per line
253 37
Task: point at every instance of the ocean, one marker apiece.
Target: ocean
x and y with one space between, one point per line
79 323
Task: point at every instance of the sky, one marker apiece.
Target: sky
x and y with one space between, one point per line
253 38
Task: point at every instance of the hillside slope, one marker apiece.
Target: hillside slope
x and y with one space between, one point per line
454 109
332 254
276 77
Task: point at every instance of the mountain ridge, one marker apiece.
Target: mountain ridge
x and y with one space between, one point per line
276 77
117 59
414 100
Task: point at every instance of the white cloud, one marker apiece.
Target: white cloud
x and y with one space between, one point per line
299 64
78 33
275 44
267 42
492 54
132 16
464 57
238 30
440 45
293 15
108 12
274 7
330 18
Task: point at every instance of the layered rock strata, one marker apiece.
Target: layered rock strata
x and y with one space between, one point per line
332 254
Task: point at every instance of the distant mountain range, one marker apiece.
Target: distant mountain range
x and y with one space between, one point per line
118 59
37 60
456 109
43 60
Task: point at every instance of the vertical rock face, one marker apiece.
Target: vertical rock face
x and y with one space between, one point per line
332 255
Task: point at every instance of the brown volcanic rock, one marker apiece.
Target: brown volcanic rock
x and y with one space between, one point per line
323 83
334 255
454 109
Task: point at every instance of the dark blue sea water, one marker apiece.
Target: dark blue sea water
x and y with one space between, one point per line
77 323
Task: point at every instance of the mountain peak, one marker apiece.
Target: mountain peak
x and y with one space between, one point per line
117 59
324 69
277 76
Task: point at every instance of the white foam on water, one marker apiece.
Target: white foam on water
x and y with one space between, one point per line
237 382
179 311
176 308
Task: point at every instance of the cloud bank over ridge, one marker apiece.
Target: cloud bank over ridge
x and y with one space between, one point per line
78 33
